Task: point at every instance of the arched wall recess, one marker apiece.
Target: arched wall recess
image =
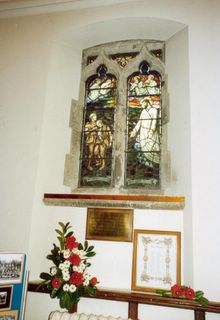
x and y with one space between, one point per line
112 65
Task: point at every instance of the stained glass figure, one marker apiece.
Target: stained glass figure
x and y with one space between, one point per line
101 90
144 128
98 130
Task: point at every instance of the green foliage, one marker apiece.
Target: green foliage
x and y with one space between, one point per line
80 246
53 293
67 289
86 245
90 254
91 290
45 276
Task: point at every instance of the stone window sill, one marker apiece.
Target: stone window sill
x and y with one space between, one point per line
115 201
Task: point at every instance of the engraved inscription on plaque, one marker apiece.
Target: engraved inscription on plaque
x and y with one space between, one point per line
109 224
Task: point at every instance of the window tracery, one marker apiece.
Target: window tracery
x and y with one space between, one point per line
120 144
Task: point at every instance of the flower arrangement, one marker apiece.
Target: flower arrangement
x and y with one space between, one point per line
68 279
184 292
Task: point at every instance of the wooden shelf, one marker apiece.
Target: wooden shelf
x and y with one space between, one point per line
134 298
113 200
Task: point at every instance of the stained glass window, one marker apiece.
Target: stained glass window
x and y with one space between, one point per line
98 129
120 113
143 128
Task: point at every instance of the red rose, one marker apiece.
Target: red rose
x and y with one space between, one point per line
56 283
190 293
74 259
76 278
94 281
177 291
71 243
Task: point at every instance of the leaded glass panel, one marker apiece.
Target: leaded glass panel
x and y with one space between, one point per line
98 129
143 129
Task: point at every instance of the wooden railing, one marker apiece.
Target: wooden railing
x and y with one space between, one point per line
135 298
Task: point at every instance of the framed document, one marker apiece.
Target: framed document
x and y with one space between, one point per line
156 260
109 224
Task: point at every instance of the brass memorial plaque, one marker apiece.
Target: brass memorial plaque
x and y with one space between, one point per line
109 224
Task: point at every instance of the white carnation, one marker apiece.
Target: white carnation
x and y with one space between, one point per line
66 254
75 268
66 277
53 271
86 276
72 288
67 264
81 253
86 282
65 271
66 287
82 266
61 266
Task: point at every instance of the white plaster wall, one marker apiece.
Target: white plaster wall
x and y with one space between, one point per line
205 117
24 56
179 144
46 53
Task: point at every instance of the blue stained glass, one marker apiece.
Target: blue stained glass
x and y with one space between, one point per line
144 67
101 91
102 72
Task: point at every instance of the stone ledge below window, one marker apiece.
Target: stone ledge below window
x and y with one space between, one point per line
115 201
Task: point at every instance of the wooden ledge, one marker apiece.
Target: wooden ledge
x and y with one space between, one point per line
117 201
139 297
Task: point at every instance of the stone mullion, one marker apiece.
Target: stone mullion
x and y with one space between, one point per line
120 131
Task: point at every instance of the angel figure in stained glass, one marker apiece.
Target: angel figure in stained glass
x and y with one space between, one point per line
100 88
144 85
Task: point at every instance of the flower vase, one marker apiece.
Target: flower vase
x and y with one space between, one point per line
73 308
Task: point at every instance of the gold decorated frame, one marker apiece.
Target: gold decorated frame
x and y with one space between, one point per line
156 260
12 315
110 224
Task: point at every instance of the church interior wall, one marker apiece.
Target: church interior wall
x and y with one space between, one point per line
40 58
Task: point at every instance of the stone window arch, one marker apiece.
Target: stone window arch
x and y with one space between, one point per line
119 61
